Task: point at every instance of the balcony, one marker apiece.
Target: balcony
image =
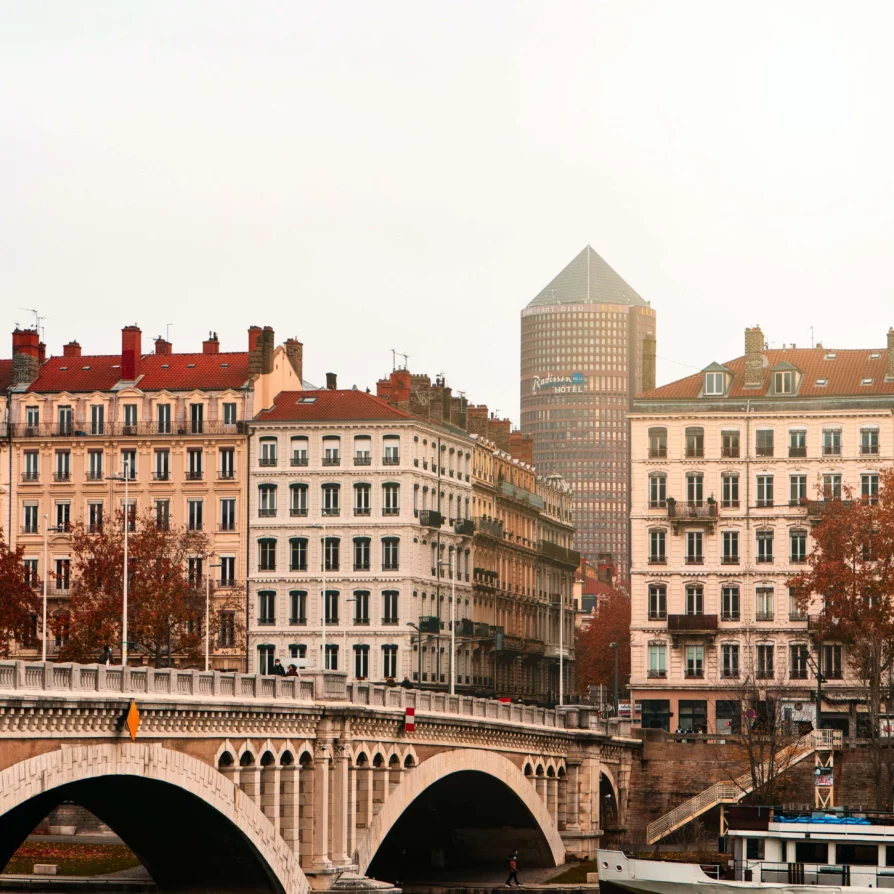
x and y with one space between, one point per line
763 504
730 452
798 673
298 511
694 673
558 553
431 518
362 459
657 616
465 527
120 429
797 560
31 477
763 451
226 474
267 513
331 511
194 475
657 504
695 560
691 513
390 460
730 616
797 616
658 560
391 510
764 616
764 674
692 623
869 449
225 526
658 453
161 476
267 461
729 560
730 673
62 476
831 450
764 559
95 476
729 504
657 674
331 460
695 453
228 583
361 510
298 459
797 451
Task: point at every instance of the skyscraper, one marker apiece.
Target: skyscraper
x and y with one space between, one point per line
587 348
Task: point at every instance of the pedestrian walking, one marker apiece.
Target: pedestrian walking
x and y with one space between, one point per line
513 869
278 670
105 657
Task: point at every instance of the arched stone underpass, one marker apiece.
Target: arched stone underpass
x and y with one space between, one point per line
190 827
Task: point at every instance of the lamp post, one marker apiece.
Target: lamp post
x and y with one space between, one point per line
46 574
419 650
126 476
614 646
452 666
561 604
207 615
322 528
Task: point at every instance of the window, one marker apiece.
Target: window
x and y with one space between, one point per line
65 418
30 568
392 450
657 602
729 653
298 607
657 491
695 442
694 488
331 606
163 465
63 574
657 443
361 553
227 571
331 450
267 554
164 419
754 849
331 659
32 416
297 500
657 554
268 452
330 499
389 661
299 651
129 464
729 491
62 628
361 607
730 548
265 659
197 418
729 444
298 554
695 603
229 414
94 517
764 669
765 546
657 660
729 604
361 499
29 519
763 604
163 514
97 419
764 491
227 462
266 500
63 516
194 566
797 442
797 493
362 450
266 607
831 487
390 553
869 487
194 508
32 465
361 662
299 451
390 499
228 514
831 442
63 465
390 614
194 464
714 383
832 662
331 553
694 554
798 546
695 661
765 442
798 655
869 441
784 382
226 629
796 612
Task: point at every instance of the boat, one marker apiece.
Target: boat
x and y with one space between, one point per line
792 852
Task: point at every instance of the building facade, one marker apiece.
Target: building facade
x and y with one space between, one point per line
728 466
172 424
587 348
361 526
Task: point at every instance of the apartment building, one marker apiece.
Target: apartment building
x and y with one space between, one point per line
361 534
730 470
171 424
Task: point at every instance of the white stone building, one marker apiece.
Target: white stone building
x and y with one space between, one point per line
353 497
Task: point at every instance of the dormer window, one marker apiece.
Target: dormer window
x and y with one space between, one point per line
714 383
830 356
866 382
784 382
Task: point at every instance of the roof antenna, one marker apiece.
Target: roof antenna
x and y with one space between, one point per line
811 337
394 363
38 320
168 331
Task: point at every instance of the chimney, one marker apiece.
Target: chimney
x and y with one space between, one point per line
25 356
649 348
331 384
500 433
754 358
295 353
476 417
211 345
522 447
268 343
162 346
72 349
41 353
131 353
400 386
254 337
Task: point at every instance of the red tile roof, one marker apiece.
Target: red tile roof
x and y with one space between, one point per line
5 374
844 374
159 372
330 406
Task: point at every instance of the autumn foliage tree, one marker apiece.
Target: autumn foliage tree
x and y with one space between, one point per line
166 603
594 657
19 603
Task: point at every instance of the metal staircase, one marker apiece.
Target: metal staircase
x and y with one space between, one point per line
733 792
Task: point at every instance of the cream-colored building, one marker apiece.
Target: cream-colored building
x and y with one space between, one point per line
728 466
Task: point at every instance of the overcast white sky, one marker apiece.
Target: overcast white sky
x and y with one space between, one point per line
377 175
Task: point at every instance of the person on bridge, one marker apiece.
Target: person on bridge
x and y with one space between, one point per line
292 671
513 870
278 670
105 657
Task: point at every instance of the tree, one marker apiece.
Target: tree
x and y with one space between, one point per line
166 591
594 656
19 603
851 577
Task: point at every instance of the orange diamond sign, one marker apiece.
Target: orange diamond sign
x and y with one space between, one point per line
133 721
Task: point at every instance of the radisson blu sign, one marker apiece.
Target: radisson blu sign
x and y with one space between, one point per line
573 384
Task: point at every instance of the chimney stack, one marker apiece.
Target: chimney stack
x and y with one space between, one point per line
268 343
254 337
162 346
522 447
295 353
41 353
649 350
25 356
331 384
131 353
754 358
211 345
72 349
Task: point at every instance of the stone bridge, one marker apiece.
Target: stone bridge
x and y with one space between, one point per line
238 782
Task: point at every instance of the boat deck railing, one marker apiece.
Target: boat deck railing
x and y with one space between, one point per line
836 875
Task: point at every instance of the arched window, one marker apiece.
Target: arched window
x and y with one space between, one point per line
268 452
695 442
362 450
267 607
390 607
657 490
266 500
267 554
298 607
391 450
657 443
299 451
331 450
390 553
331 502
297 500
361 554
361 607
331 553
298 554
265 658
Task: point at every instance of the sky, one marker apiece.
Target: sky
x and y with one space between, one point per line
369 176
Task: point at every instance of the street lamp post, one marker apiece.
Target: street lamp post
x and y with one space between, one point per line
46 575
561 604
615 695
207 616
126 476
452 666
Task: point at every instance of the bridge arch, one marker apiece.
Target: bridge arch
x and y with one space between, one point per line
117 781
431 771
